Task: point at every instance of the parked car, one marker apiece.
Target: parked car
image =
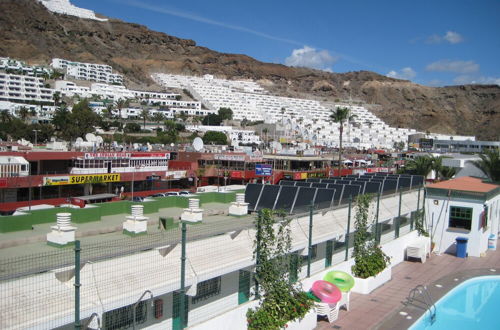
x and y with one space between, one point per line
138 199
185 193
172 193
158 195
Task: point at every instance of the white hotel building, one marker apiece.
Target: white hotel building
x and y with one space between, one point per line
24 89
87 71
297 119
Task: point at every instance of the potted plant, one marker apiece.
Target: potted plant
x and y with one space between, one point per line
371 265
282 303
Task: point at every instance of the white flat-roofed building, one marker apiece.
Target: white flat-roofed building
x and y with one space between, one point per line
102 73
155 95
20 67
297 119
69 88
13 166
66 8
235 135
19 88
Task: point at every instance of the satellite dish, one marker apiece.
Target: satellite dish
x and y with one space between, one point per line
90 137
79 140
198 144
136 146
99 139
172 144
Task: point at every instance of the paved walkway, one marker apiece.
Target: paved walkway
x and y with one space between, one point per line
368 311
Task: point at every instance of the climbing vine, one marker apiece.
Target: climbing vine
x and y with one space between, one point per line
369 259
419 223
281 300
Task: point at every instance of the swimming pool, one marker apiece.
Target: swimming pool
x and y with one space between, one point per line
471 305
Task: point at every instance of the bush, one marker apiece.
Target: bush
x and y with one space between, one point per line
369 259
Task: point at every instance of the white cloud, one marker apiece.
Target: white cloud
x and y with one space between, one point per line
405 73
463 67
468 79
311 58
451 37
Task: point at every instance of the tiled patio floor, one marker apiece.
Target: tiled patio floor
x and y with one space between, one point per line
367 311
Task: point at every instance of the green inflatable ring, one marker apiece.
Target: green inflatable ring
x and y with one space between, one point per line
341 279
312 296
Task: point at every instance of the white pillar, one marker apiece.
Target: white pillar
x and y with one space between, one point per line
136 223
239 207
63 233
193 213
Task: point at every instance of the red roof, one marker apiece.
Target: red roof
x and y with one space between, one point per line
465 183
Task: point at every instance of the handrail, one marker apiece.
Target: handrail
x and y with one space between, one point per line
137 303
427 300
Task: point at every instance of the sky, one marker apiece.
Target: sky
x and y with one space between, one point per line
433 43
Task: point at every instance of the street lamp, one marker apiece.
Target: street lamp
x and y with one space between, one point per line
36 131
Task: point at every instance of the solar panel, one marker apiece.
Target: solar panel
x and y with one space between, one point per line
339 188
404 182
252 193
418 181
319 185
304 199
268 197
327 180
286 198
287 183
303 184
313 180
343 181
389 186
372 187
350 191
324 198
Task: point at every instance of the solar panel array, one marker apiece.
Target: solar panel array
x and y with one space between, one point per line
297 196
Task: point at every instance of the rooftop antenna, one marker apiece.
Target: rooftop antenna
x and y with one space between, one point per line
198 144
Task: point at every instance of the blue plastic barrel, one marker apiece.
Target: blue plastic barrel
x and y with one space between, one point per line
462 247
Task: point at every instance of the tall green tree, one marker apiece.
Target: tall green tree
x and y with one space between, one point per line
120 104
5 116
420 166
24 113
145 116
489 164
226 113
340 116
215 138
447 173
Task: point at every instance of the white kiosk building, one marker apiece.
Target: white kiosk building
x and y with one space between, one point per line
463 207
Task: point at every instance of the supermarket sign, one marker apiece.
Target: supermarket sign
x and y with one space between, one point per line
80 179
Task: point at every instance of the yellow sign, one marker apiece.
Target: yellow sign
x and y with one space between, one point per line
80 179
94 178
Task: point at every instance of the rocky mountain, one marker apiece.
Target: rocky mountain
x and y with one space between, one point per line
29 32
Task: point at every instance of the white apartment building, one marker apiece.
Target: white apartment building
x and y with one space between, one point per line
297 119
24 89
236 136
20 67
66 8
43 112
87 71
155 95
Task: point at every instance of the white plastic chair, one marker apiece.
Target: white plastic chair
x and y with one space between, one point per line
330 311
344 301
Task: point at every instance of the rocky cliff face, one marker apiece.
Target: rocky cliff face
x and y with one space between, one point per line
29 32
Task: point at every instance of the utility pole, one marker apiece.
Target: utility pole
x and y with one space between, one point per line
36 136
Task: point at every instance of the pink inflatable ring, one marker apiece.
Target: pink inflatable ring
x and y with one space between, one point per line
326 292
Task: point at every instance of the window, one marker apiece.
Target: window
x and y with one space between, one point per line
314 253
122 318
207 289
460 217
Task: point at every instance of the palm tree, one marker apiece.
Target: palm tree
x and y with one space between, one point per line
420 166
489 164
447 173
24 113
120 104
5 116
145 116
437 165
340 116
265 130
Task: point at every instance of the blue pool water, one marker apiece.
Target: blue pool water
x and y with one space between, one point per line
474 304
